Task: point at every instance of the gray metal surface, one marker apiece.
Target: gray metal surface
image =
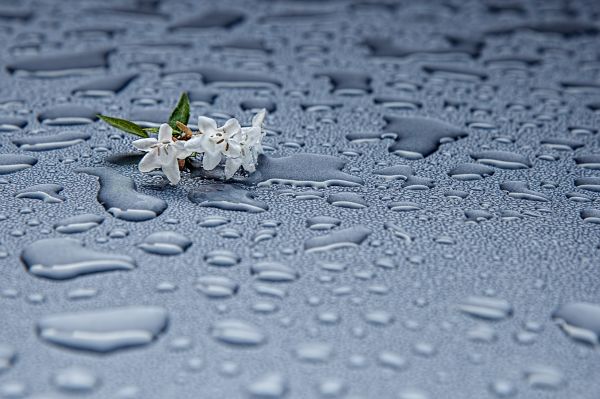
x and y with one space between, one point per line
424 223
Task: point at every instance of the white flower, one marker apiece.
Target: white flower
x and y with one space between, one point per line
162 153
214 142
239 145
253 136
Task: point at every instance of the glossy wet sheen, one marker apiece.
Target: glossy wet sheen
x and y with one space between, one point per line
424 222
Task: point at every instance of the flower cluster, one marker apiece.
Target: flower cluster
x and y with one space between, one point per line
238 146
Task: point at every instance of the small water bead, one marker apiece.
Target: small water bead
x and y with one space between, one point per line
379 318
486 308
502 388
118 233
78 224
216 287
424 349
413 393
470 171
272 385
8 357
357 361
166 287
477 215
347 200
364 274
13 390
213 221
328 318
418 183
270 290
502 159
264 235
82 293
396 172
75 380
222 258
313 352
482 333
195 364
322 223
180 344
17 233
229 233
36 299
342 290
128 392
229 369
392 361
332 388
166 243
333 266
544 378
237 333
273 272
264 307
350 237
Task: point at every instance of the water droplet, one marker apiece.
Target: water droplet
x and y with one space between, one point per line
237 333
119 197
165 243
580 321
75 379
104 330
65 258
346 238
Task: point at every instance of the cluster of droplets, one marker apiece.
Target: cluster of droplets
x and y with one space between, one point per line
422 221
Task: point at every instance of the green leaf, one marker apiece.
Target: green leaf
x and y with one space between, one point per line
151 129
181 112
124 125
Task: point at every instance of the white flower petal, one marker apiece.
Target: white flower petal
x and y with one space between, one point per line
232 127
196 143
211 160
207 125
232 149
249 167
231 166
180 150
171 171
165 133
248 162
144 144
253 135
149 162
166 154
259 118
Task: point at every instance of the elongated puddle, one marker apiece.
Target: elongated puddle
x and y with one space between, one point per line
119 197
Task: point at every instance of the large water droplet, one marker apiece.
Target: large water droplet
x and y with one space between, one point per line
104 330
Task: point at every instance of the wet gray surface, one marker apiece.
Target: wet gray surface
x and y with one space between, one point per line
424 223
